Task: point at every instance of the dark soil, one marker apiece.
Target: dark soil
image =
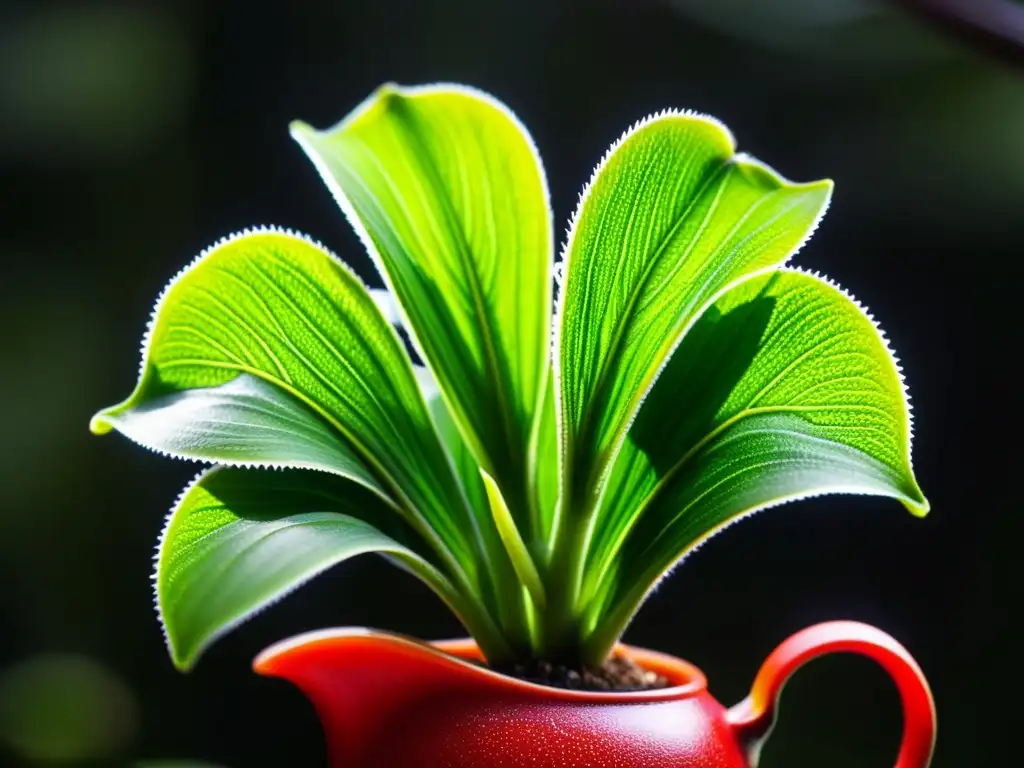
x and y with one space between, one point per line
616 674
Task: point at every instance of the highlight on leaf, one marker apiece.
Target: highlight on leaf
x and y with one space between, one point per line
554 457
446 189
237 542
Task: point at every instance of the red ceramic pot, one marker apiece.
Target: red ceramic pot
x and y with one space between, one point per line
386 700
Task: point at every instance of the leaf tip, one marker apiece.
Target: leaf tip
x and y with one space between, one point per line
916 502
492 487
183 655
102 422
99 425
522 562
299 129
183 663
826 187
388 90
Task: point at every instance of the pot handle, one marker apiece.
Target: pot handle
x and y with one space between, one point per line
753 717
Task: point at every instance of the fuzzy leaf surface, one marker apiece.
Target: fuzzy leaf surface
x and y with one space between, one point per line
246 421
446 189
670 219
784 388
239 540
282 309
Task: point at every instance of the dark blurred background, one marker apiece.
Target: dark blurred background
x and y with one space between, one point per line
133 134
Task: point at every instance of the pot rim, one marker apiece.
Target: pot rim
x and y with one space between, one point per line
458 656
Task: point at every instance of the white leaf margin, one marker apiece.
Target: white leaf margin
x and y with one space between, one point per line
244 616
561 274
829 490
402 319
383 299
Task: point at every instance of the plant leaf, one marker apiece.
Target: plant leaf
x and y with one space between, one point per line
244 422
237 541
517 551
465 463
544 465
671 217
782 389
446 189
507 597
280 308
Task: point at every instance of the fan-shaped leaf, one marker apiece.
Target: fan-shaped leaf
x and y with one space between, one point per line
447 191
280 308
670 219
244 422
239 540
782 389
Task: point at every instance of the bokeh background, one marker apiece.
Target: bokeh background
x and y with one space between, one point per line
133 134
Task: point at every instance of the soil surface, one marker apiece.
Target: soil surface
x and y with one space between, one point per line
616 674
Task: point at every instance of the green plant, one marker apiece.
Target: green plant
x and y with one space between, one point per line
554 458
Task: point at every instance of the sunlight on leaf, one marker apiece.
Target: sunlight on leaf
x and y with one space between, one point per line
549 462
446 189
671 217
790 391
238 541
246 422
280 308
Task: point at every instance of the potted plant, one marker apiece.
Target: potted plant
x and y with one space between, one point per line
576 427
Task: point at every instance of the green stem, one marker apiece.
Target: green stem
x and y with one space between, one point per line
560 618
599 643
512 612
466 607
488 636
515 547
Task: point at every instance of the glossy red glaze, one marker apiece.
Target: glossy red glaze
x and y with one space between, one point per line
386 700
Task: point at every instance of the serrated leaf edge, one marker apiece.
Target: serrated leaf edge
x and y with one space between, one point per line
145 346
883 337
919 510
186 664
570 234
260 229
837 490
377 296
158 560
364 237
897 367
584 194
